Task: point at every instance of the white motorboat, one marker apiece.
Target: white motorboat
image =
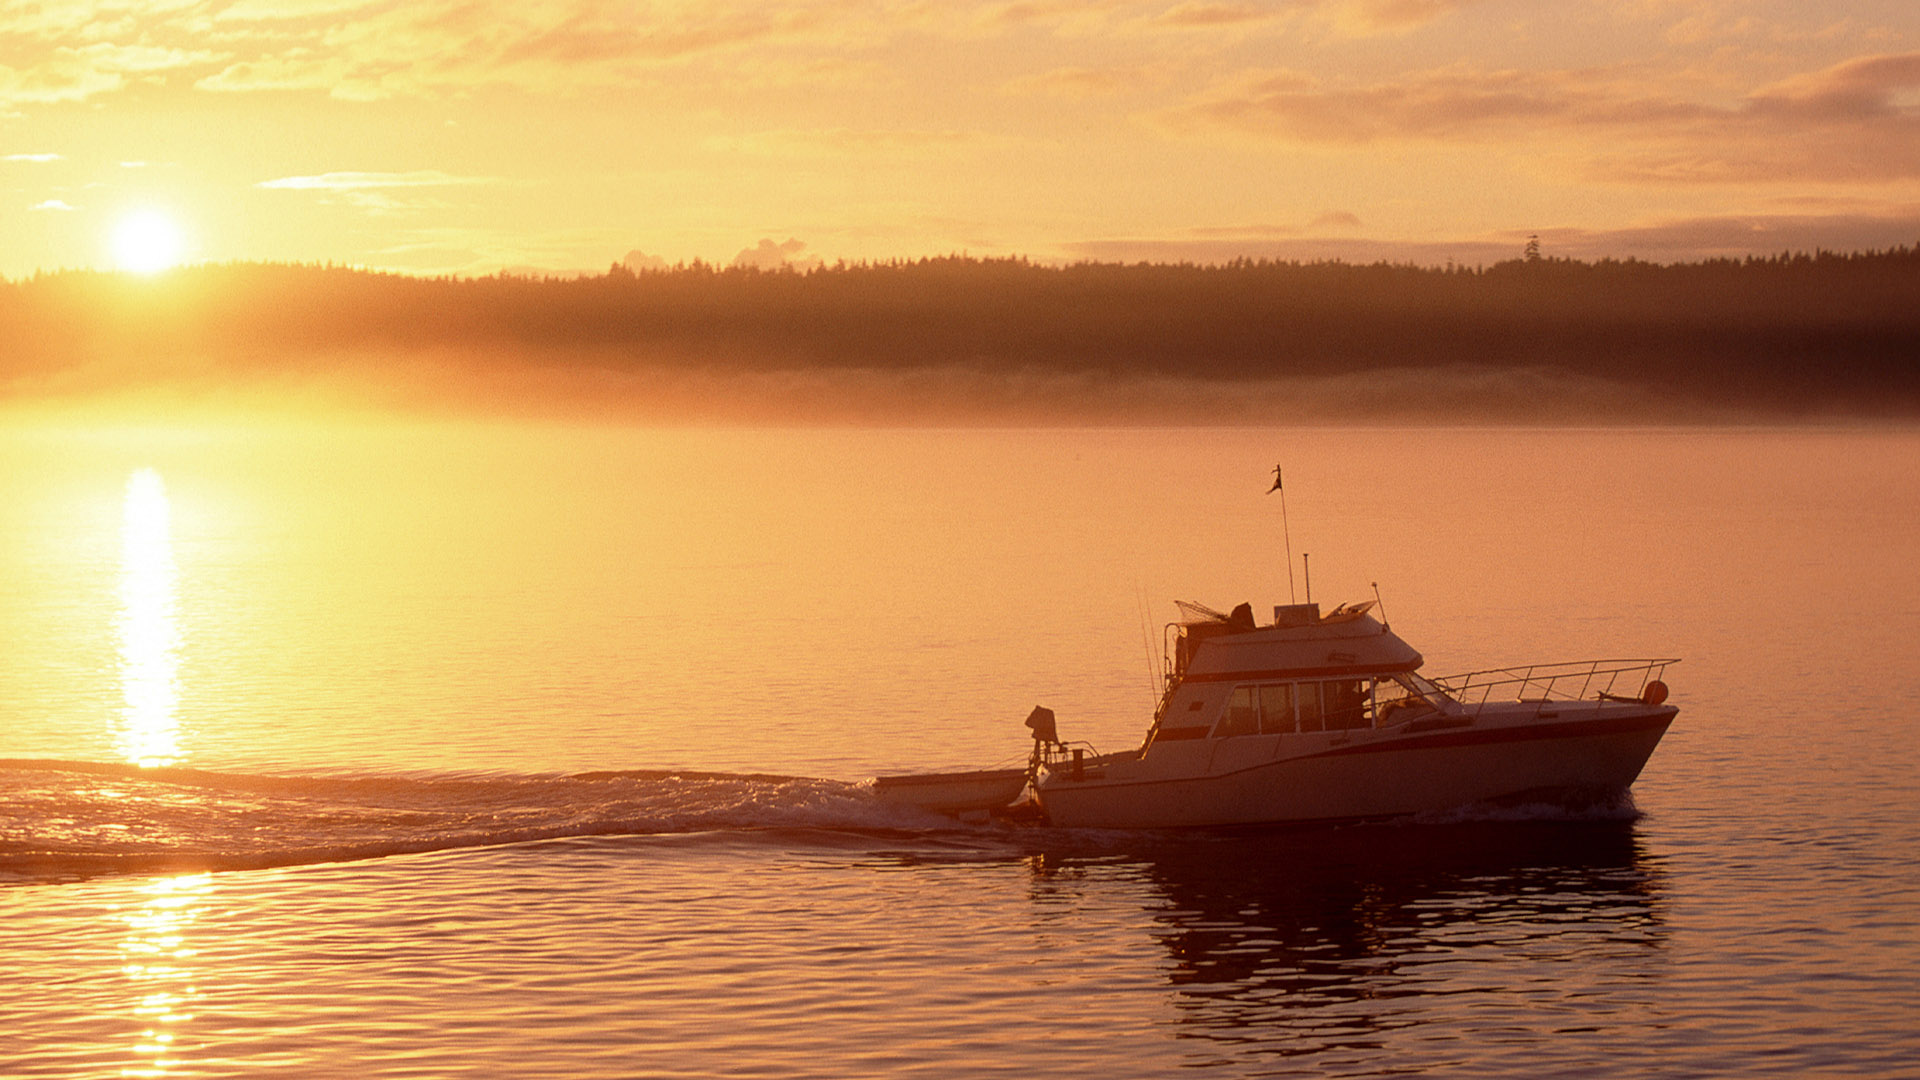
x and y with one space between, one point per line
1324 717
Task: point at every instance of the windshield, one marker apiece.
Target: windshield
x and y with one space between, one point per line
1422 686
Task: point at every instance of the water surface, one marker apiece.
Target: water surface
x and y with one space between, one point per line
522 750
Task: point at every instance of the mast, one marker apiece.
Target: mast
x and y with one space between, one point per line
1286 534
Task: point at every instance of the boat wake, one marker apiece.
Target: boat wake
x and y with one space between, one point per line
64 820
71 820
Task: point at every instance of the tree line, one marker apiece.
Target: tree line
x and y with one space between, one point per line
1794 331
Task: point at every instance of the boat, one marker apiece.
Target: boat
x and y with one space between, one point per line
1322 718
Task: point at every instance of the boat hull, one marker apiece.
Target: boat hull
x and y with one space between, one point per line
1364 774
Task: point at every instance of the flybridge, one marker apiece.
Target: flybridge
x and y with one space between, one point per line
1300 642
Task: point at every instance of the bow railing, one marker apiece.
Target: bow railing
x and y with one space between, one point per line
1580 680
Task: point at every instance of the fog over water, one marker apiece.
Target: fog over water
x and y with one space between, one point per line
959 340
458 747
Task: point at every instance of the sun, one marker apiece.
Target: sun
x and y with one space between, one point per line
146 242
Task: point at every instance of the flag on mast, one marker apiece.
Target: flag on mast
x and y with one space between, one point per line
1285 532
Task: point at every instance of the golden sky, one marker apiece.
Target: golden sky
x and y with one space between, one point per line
467 136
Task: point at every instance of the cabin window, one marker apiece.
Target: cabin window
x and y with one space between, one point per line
1311 718
1276 709
1346 704
1240 714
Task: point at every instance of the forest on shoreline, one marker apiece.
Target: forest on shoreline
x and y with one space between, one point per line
1796 334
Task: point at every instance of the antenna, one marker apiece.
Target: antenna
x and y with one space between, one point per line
1377 603
1307 572
1154 679
1286 533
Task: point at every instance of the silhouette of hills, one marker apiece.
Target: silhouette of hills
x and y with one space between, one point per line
1789 335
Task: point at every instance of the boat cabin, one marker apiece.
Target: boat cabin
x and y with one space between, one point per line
1305 672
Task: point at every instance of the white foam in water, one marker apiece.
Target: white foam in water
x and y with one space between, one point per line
63 820
60 820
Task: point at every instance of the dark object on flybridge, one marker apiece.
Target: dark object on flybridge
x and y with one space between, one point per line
1041 721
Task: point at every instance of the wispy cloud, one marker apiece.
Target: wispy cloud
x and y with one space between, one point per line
35 158
1452 103
75 50
365 181
377 192
1090 82
51 204
1676 239
1369 17
77 72
374 50
1337 219
836 142
1855 120
1340 220
1210 13
1740 234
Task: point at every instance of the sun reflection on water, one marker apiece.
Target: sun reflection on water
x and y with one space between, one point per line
155 958
149 637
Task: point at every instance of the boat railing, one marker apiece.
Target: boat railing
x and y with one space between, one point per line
1579 680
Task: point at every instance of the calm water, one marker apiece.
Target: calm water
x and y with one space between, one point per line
526 751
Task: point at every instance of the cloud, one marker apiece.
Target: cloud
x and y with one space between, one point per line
51 204
640 262
1332 219
299 69
1369 17
1671 240
1861 88
1352 18
79 72
1735 235
373 49
1088 82
1854 121
1434 105
281 11
35 158
362 181
1209 13
836 142
598 31
1076 14
376 192
366 50
768 255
